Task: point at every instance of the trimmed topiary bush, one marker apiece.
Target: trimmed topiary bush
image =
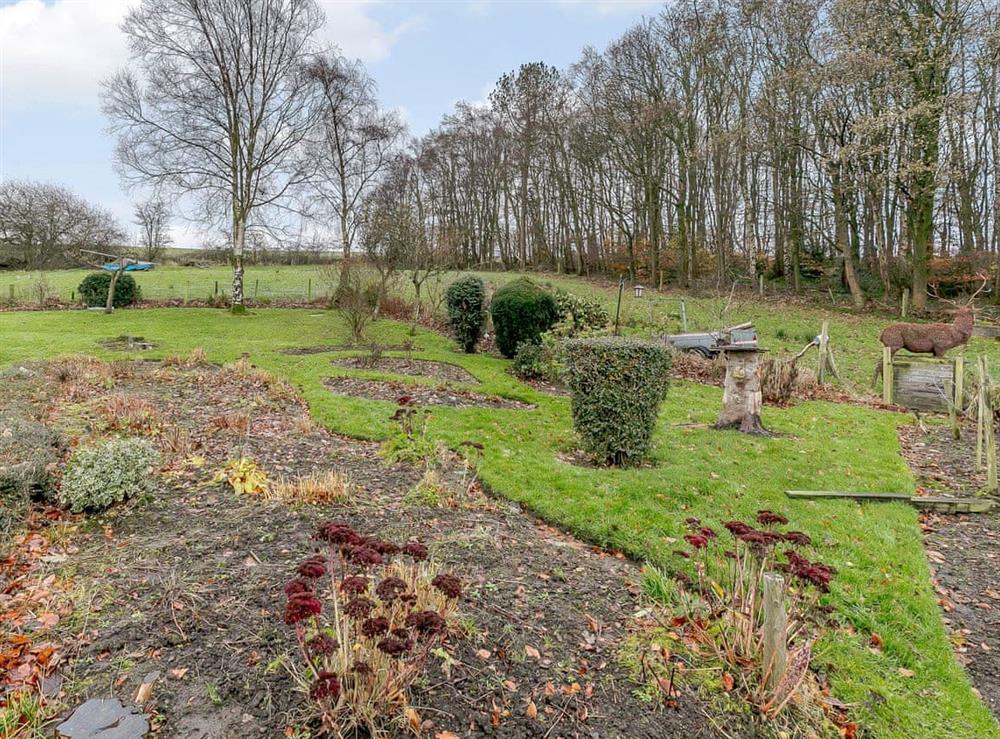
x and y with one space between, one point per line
109 473
94 290
466 302
522 311
617 386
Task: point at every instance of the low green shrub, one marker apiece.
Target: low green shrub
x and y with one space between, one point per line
109 473
29 453
617 386
539 361
466 303
579 316
522 311
94 290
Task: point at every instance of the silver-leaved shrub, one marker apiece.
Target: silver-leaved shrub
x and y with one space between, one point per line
109 473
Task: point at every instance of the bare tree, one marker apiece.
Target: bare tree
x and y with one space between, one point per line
153 219
42 226
355 144
216 104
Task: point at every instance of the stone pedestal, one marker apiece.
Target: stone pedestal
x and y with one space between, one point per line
742 398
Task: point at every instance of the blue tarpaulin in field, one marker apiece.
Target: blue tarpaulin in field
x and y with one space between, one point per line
131 267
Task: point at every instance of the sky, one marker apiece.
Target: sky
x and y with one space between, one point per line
425 56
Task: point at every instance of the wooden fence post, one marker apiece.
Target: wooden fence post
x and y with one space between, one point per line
760 285
684 317
887 378
904 303
986 411
824 351
775 627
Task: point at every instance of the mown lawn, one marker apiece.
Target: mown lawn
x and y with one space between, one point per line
783 329
883 584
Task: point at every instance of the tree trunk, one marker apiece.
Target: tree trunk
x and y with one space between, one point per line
239 238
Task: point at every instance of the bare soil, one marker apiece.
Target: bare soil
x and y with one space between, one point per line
328 348
412 367
188 583
963 550
356 387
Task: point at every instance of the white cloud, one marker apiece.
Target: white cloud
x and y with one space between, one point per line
351 28
58 52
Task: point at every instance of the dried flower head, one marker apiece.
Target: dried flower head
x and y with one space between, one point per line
364 556
696 540
321 645
692 522
708 533
359 607
354 585
770 518
298 585
390 589
798 538
383 547
394 646
416 550
682 553
301 606
736 528
313 567
341 534
375 627
361 668
447 584
404 400
326 685
426 622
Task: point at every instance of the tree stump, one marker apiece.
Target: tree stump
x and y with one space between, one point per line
742 398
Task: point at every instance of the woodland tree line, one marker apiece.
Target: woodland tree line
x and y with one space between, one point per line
719 140
714 141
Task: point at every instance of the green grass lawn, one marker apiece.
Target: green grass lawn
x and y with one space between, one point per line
883 585
782 330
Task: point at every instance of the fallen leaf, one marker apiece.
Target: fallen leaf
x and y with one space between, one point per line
531 651
179 672
531 711
905 673
727 681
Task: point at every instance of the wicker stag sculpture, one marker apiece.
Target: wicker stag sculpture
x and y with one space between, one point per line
931 338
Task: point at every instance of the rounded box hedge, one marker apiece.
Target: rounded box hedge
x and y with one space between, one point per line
94 290
616 386
522 311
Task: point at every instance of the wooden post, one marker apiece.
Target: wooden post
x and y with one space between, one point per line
989 438
309 290
256 286
887 378
904 302
618 307
216 287
824 351
684 317
980 415
760 285
775 646
956 407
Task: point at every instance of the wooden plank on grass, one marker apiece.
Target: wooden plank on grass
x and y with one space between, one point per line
845 494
